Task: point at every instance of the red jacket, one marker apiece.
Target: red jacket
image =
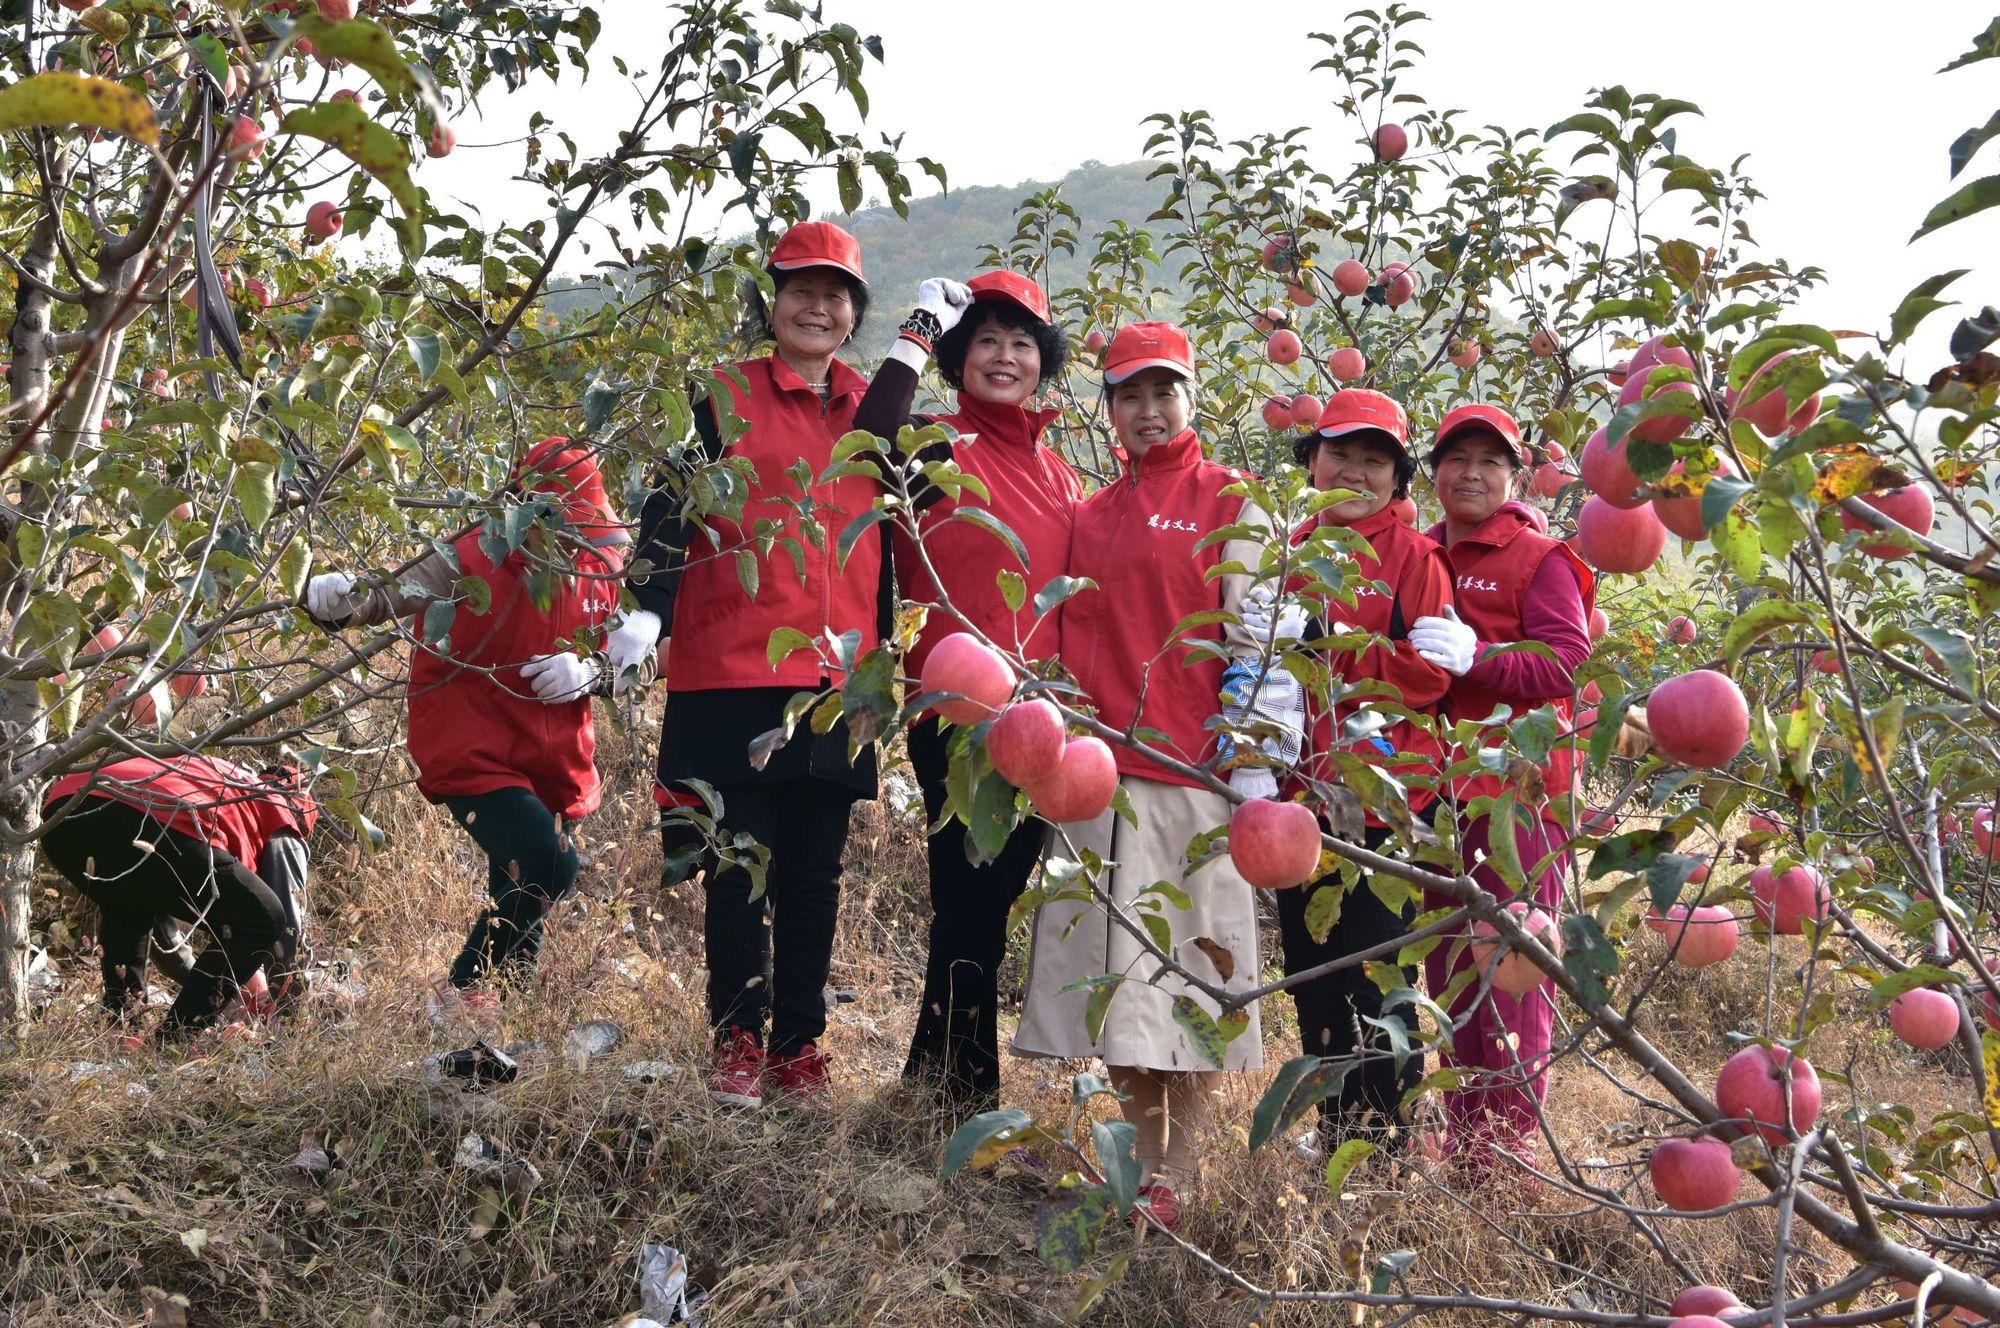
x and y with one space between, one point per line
1033 492
721 633
1136 538
203 797
474 731
1496 566
1414 569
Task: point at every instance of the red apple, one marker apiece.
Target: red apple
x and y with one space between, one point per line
246 140
1083 785
1784 901
1763 823
1548 481
1270 319
964 664
443 139
1350 277
1708 933
108 637
1641 387
348 95
1959 1314
1391 142
1274 845
1748 1089
1025 743
1910 505
1699 719
1699 1321
145 708
1401 283
1825 661
1681 630
1277 413
323 220
1512 971
1280 254
1693 1175
257 293
1301 294
1765 409
1658 350
1347 364
1555 450
1607 474
1094 341
1704 1300
1982 831
1464 354
1284 347
1699 876
1541 343
1591 693
188 685
1683 515
1600 623
1305 410
1598 820
1924 1018
1617 373
338 11
1614 539
182 512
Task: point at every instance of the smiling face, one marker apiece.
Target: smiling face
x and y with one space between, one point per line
1364 462
1002 364
1149 407
1474 477
812 315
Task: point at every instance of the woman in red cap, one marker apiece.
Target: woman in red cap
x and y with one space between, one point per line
1514 583
996 344
1140 539
1362 445
723 587
193 838
500 723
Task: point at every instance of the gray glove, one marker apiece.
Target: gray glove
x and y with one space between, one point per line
559 678
1445 642
630 646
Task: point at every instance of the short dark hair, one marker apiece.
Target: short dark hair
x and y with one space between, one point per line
757 313
952 346
1306 444
1513 453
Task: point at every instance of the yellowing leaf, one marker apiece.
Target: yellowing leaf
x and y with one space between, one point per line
1989 1052
58 99
1856 475
371 147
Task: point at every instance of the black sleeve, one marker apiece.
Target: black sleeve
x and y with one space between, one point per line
665 530
885 409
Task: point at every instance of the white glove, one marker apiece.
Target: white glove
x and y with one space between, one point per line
630 648
1254 781
1257 609
330 597
1445 642
559 678
945 300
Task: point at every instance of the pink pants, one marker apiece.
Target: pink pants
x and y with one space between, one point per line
1506 1039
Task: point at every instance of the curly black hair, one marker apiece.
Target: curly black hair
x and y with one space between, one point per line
756 324
1304 445
952 346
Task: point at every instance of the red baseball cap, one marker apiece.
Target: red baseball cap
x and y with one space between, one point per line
817 244
1005 285
1354 409
1478 416
1140 346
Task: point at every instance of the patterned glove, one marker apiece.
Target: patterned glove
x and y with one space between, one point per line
1261 605
941 302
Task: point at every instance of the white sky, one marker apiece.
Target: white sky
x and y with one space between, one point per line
1838 105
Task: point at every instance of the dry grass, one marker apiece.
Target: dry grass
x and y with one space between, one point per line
803 1217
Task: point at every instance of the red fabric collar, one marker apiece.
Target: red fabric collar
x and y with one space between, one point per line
1180 452
844 380
1005 424
1500 528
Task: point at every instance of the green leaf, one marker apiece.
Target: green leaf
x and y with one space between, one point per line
783 643
1588 957
372 148
1920 303
1343 1162
1719 495
255 489
1060 589
293 565
1984 47
973 1137
1503 852
1265 1115
852 532
1114 1142
599 400
438 616
1200 1027
746 572
1013 588
1323 910
1629 852
56 100
1975 197
1758 622
362 42
993 525
1102 989
1690 177
1069 1221
425 349
1917 975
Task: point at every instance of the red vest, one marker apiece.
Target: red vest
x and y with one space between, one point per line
1136 538
1033 492
720 632
1417 575
1494 566
473 731
203 797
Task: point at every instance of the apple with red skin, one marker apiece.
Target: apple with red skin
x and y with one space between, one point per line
1748 1089
1026 742
1699 876
1683 515
108 637
348 95
188 685
336 11
1391 142
1708 933
1615 539
1693 1175
246 140
1274 845
182 512
1591 693
1094 341
1555 450
1825 661
1541 343
1512 971
78 6
1705 1300
1607 473
1400 283
1641 387
443 139
1547 481
323 220
1698 1321
1351 277
1763 823
1657 350
1911 506
1301 294
1305 410
1284 347
1924 1018
257 293
1279 253
1699 718
1083 785
1347 364
964 664
1785 900
1277 413
1982 831
1464 354
1681 630
1270 319
1959 1314
1598 820
1618 373
1600 623
1765 409
145 708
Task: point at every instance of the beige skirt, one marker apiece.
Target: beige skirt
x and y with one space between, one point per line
1074 939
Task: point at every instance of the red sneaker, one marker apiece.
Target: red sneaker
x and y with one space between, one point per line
1158 1203
801 1074
736 1070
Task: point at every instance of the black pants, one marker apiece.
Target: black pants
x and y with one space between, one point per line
769 956
1332 1007
99 849
956 1045
530 863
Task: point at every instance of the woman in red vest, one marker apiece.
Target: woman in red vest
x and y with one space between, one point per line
996 344
1514 583
196 839
500 723
1140 539
1362 444
723 586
